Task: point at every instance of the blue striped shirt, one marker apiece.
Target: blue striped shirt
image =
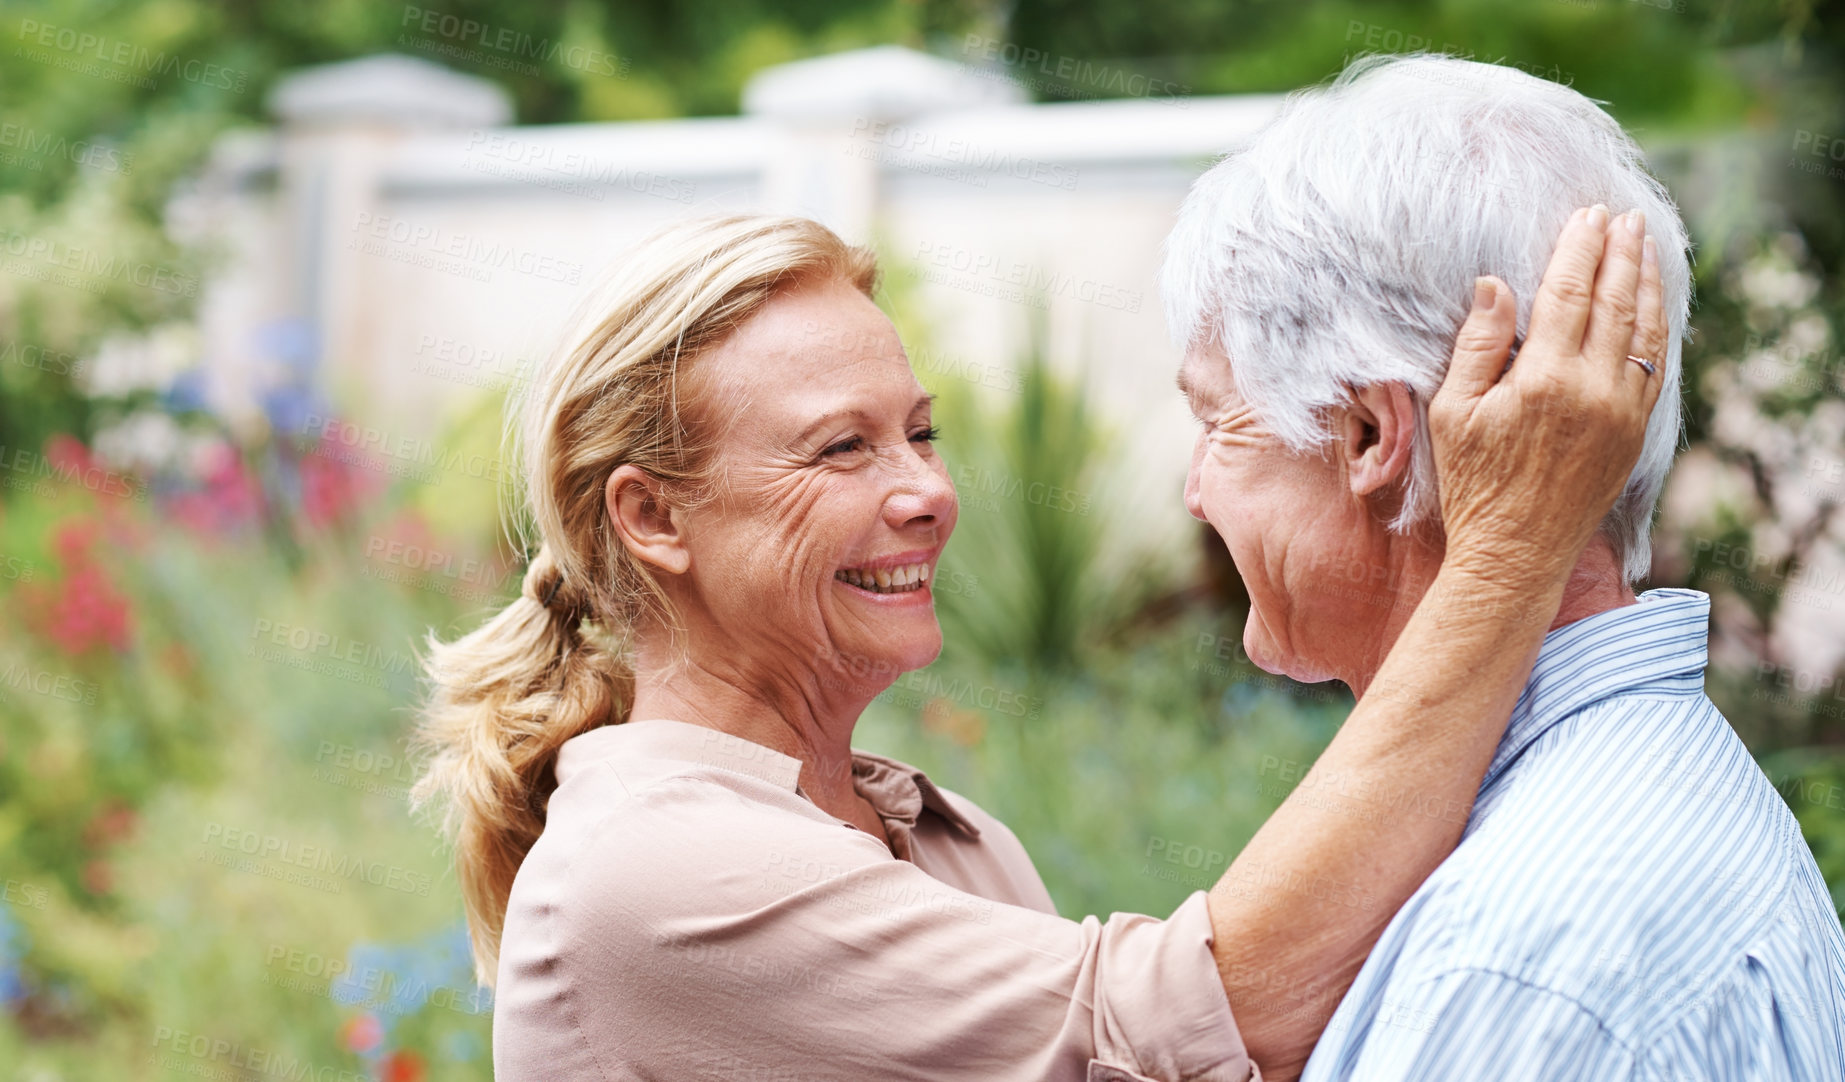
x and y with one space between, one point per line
1631 899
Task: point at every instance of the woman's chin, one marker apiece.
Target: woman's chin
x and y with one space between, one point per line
881 651
904 653
917 651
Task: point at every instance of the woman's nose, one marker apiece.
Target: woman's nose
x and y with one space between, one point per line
924 495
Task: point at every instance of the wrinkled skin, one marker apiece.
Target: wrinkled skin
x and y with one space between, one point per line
826 462
1330 585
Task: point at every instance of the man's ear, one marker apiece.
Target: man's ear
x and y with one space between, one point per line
1379 429
651 529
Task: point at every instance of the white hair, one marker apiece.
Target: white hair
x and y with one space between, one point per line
1339 247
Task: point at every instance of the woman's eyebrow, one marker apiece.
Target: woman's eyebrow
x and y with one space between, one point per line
824 420
857 412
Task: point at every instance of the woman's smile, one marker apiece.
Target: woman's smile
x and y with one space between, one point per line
901 578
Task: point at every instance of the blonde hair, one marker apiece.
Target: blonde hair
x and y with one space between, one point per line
503 698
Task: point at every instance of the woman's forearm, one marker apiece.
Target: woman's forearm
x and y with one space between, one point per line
1299 909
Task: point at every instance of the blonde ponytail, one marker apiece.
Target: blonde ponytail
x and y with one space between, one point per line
553 664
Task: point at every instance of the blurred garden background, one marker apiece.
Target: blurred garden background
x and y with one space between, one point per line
211 593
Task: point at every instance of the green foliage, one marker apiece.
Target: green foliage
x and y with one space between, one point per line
200 814
1102 714
1812 781
1105 772
1030 528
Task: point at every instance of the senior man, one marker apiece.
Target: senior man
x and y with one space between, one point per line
1596 922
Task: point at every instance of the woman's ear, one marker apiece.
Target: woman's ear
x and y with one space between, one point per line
1379 429
651 528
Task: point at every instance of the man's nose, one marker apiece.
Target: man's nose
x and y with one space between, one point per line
1194 495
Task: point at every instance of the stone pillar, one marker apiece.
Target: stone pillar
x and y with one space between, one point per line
831 113
336 124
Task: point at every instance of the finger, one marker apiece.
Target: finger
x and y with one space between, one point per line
1650 339
1609 336
1560 311
1484 342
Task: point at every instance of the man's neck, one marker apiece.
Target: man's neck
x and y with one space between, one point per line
1597 584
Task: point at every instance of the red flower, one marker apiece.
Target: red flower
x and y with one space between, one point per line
401 1066
98 877
111 824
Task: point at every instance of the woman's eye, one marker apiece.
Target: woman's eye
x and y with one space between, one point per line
845 446
927 435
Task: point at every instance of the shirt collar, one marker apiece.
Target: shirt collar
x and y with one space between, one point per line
900 791
1661 643
897 790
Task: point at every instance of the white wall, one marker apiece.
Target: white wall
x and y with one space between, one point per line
429 245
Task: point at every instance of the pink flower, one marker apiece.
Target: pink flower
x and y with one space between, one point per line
83 609
68 455
73 462
87 612
72 542
362 1034
331 488
227 496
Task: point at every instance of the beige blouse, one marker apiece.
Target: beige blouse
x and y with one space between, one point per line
689 914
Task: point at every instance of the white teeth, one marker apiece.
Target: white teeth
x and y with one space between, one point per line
883 577
922 570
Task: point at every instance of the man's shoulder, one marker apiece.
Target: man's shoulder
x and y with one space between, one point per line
1628 857
1631 769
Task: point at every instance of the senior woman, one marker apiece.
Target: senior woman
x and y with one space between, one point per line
675 864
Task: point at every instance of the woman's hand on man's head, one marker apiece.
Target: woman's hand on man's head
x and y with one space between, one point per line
1531 458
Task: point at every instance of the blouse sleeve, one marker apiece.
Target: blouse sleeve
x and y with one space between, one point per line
795 948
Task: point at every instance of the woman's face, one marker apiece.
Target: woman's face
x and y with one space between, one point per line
818 553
